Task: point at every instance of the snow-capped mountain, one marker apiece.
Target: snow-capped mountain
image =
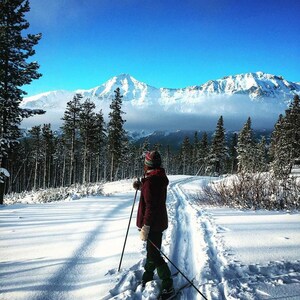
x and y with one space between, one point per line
255 85
252 93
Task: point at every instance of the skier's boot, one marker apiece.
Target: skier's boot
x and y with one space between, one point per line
149 272
166 293
164 274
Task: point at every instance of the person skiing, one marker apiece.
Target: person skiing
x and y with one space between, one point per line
152 220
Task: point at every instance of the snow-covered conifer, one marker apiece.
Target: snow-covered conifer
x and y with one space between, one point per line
261 156
88 133
186 155
218 150
116 133
232 160
15 72
36 140
286 141
48 151
275 136
203 154
70 130
246 148
100 151
195 153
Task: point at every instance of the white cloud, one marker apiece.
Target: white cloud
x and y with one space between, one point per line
186 116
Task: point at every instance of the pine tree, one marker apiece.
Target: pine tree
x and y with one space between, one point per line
203 154
88 132
100 151
285 141
218 150
293 127
261 156
246 148
15 72
116 133
282 160
167 159
275 137
59 161
125 165
195 153
186 155
232 167
36 140
48 151
70 130
139 160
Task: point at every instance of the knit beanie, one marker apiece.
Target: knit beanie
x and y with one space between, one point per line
153 159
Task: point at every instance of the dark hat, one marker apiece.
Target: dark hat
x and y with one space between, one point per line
152 159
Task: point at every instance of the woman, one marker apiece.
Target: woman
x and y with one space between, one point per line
152 219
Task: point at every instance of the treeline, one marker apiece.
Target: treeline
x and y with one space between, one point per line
243 153
89 150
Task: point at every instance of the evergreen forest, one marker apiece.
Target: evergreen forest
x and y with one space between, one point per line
88 150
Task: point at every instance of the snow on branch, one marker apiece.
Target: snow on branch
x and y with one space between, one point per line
3 174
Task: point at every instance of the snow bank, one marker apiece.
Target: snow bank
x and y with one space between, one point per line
54 194
252 191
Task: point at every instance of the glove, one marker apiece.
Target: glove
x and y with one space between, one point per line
137 185
144 232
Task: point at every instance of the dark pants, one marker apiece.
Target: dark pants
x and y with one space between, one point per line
155 261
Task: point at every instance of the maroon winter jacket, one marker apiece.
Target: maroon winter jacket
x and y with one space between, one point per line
152 209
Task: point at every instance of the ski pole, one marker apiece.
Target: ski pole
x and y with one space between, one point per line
127 230
192 284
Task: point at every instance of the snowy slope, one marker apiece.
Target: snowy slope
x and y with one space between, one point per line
71 250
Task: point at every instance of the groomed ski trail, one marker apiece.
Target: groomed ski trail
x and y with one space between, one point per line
195 247
191 244
183 238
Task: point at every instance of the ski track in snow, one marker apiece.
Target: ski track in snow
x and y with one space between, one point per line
230 279
183 243
195 245
185 252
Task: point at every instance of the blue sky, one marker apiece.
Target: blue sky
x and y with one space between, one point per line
165 43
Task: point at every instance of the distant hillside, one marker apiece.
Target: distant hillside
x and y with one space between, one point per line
175 139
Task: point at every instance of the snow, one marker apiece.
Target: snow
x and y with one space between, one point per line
4 172
71 249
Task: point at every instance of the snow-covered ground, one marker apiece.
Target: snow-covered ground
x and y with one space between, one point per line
71 249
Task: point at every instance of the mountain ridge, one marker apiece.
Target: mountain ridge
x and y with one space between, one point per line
256 85
259 95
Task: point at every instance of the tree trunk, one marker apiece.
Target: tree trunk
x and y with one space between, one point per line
45 172
2 187
63 171
35 173
112 167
